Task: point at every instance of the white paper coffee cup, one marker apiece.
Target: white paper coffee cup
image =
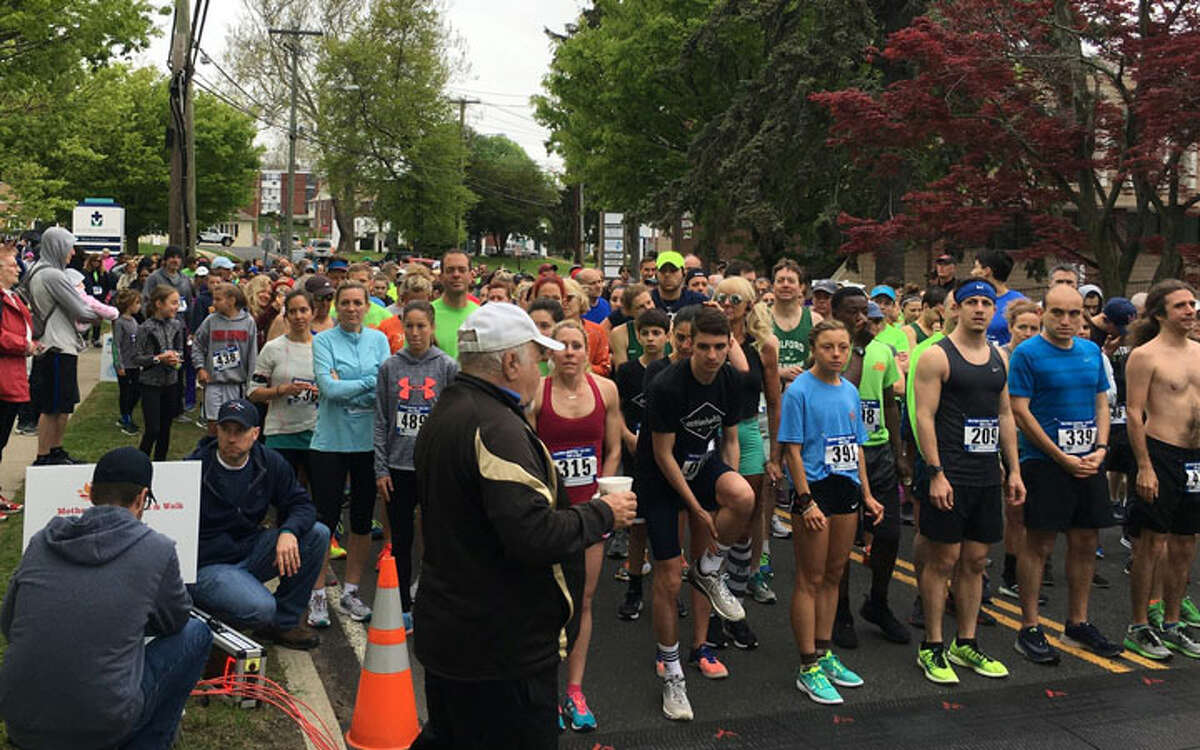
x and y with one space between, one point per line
614 484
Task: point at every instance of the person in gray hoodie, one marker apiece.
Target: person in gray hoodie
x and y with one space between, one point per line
408 385
224 351
56 308
77 672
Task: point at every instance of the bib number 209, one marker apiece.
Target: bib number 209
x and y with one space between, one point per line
981 435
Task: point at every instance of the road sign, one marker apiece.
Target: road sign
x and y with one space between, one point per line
99 224
612 254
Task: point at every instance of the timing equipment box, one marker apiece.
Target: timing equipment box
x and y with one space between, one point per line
233 655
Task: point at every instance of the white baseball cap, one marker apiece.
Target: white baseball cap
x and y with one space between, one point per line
498 326
202 270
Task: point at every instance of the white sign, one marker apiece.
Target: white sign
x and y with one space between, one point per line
97 226
52 491
108 373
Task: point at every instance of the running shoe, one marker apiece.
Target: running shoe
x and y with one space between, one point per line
813 682
1188 612
376 529
712 585
562 727
1100 581
837 672
1126 541
26 429
972 657
880 615
1012 590
705 659
675 704
408 622
618 548
743 637
8 507
844 635
386 551
622 572
906 513
577 714
932 662
1088 636
759 589
1032 644
683 575
353 606
318 611
764 566
1047 575
780 529
1144 640
1155 613
336 552
1099 552
631 608
1177 638
716 637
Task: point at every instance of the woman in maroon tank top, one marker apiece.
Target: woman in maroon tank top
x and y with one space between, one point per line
577 415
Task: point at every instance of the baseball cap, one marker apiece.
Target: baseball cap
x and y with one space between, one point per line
671 258
125 464
238 410
874 312
222 262
693 273
498 326
883 290
201 271
829 286
1120 312
945 258
319 286
337 263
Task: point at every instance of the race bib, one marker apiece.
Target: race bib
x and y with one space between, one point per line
228 358
97 290
981 435
871 415
578 466
182 304
409 419
1077 438
1192 469
1116 414
692 464
303 397
841 453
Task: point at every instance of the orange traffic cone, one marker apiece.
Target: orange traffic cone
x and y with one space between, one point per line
385 711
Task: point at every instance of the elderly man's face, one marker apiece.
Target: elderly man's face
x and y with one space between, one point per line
522 372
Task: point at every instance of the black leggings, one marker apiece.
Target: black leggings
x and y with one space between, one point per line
400 516
8 415
160 405
130 390
328 482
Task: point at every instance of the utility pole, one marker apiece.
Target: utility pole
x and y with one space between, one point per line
462 132
181 192
580 227
294 48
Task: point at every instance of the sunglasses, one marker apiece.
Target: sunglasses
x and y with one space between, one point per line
733 299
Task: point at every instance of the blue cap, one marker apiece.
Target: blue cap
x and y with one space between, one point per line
238 410
883 290
974 288
1120 312
337 263
874 312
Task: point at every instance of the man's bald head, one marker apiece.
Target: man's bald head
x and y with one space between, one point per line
1061 294
588 275
1062 314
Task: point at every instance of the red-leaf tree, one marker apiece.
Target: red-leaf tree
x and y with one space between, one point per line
1065 127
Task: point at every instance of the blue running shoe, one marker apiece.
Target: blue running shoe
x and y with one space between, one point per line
837 672
812 682
575 712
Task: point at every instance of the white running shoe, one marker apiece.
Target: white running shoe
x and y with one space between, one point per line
675 704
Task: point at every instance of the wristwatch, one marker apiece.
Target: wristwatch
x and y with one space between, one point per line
933 469
1098 446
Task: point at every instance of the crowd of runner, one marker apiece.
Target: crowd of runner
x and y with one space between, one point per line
748 408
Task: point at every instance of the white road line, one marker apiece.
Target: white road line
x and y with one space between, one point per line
304 683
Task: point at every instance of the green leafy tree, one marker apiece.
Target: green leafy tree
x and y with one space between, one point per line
515 197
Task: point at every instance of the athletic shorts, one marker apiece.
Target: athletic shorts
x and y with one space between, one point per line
835 495
659 505
885 487
753 460
1057 501
1175 510
1120 455
976 516
55 383
216 394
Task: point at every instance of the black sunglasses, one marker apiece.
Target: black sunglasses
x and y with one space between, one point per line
733 299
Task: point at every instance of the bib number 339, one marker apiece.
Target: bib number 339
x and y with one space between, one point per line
841 453
1077 438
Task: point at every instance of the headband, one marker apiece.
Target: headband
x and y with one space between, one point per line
975 288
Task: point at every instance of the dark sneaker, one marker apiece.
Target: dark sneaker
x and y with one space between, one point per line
1031 643
1047 575
1100 581
843 629
300 637
618 548
743 637
681 606
1178 638
881 616
1144 640
1089 636
60 456
1012 590
716 637
631 608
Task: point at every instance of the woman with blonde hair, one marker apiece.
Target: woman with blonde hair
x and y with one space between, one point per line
574 306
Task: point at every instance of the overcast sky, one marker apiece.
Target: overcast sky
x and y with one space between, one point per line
505 47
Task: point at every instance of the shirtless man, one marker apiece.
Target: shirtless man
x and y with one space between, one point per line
1162 381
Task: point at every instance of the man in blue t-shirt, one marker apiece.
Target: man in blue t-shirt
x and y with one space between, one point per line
1059 392
994 266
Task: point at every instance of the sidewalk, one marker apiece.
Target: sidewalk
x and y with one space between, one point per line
22 450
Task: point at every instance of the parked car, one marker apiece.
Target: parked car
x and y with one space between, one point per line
215 236
321 249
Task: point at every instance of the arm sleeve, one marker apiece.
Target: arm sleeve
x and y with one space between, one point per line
67 299
200 344
331 389
1020 374
172 604
260 376
383 421
11 342
662 407
145 347
10 603
891 374
252 350
791 417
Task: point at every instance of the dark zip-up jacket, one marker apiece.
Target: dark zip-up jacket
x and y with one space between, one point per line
503 562
230 521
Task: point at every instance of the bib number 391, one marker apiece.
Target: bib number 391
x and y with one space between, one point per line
841 453
1077 438
981 435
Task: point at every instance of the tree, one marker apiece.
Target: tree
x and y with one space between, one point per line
425 202
514 195
1049 113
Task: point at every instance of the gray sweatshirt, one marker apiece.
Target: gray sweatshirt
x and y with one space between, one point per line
124 343
87 592
226 347
406 389
56 306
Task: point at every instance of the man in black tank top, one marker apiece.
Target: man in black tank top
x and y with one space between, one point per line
963 422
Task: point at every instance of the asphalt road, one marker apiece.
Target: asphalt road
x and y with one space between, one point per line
746 709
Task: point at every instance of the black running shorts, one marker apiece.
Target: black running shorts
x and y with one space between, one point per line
1176 510
977 515
659 505
1057 501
